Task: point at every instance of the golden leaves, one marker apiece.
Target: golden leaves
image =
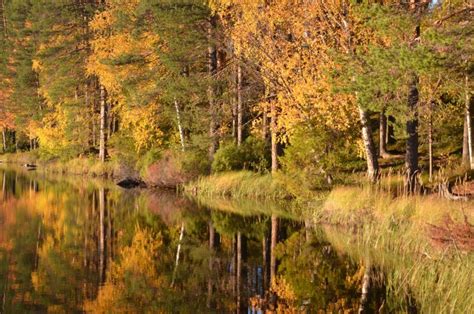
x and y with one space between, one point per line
121 55
292 43
110 44
137 265
143 123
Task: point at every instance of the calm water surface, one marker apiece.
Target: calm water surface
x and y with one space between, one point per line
71 245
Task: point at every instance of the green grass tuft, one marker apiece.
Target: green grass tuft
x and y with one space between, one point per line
241 184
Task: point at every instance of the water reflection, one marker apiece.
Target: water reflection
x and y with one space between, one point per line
69 245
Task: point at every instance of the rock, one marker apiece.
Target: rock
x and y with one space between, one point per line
130 183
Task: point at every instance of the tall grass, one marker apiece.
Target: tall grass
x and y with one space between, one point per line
241 184
20 157
83 166
88 166
250 207
367 204
438 281
396 233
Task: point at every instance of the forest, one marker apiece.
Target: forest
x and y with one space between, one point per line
288 155
317 89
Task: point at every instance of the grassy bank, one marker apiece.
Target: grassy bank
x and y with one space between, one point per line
241 184
434 280
356 206
87 166
423 244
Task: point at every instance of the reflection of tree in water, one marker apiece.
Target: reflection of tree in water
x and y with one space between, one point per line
96 248
60 241
313 275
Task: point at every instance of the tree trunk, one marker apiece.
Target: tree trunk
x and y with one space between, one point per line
4 19
102 235
465 143
15 142
430 143
273 130
239 270
212 68
364 298
178 251
4 138
389 136
411 158
266 265
234 116
265 126
180 127
383 135
212 240
468 122
239 105
274 241
370 152
103 124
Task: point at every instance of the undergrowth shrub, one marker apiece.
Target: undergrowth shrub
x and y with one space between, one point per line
251 155
172 168
316 158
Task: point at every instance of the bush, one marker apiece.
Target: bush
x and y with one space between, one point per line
122 148
172 168
195 162
251 155
150 157
315 155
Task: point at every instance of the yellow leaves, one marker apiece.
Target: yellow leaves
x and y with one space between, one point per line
110 44
36 65
288 41
141 255
32 129
102 22
107 49
286 296
143 123
52 132
137 266
7 119
116 49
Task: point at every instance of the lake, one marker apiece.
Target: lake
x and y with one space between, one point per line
73 245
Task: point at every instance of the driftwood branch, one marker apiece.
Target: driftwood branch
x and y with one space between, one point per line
463 10
445 190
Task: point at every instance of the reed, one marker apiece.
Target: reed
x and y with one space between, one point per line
437 281
398 232
241 184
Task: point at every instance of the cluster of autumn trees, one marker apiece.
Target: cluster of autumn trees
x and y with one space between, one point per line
308 79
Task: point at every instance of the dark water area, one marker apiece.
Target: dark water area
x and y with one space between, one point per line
75 245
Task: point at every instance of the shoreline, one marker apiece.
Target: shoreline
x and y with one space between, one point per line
402 236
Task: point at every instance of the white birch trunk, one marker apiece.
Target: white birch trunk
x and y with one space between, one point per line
103 124
239 105
469 123
180 127
178 251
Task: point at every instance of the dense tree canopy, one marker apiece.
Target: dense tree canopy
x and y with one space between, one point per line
304 82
